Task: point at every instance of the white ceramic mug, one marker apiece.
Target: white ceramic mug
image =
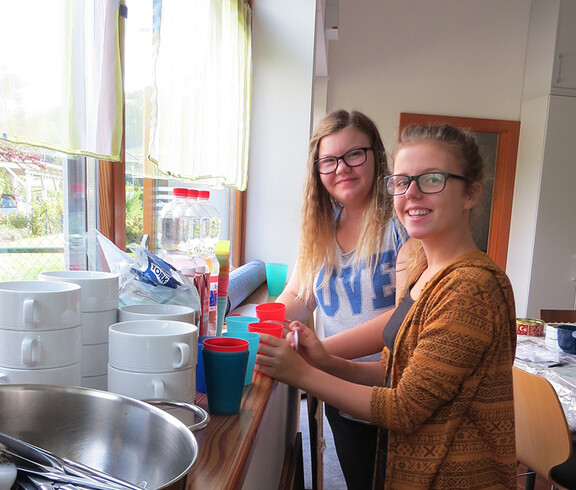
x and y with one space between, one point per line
99 289
155 311
39 305
64 376
95 359
175 385
26 349
95 325
153 346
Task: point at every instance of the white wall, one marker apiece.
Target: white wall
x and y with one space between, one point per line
451 57
283 34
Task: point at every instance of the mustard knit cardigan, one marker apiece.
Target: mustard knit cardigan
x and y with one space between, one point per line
449 409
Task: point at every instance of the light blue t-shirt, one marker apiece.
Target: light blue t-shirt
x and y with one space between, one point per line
353 296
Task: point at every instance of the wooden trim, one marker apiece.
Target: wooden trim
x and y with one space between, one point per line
149 195
112 201
504 173
112 177
149 184
239 244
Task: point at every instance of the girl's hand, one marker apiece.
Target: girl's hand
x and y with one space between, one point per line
310 347
278 359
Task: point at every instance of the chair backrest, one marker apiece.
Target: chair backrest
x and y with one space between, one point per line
542 433
558 316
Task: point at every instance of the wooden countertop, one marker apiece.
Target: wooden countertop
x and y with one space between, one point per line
226 443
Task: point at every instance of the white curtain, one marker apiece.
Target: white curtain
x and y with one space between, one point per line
200 104
60 76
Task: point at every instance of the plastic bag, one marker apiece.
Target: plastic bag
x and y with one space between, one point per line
146 278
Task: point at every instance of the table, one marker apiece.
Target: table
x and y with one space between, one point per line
535 355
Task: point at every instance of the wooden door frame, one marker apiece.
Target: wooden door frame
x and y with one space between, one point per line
504 171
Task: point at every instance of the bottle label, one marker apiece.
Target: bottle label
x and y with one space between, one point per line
202 283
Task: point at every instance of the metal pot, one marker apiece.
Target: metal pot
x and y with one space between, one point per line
126 438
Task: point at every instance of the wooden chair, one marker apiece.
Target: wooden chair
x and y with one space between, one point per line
558 316
543 440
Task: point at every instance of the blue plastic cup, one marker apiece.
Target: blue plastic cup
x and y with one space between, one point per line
239 323
253 340
200 376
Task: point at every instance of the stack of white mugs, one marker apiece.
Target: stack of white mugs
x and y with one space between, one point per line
99 310
40 333
66 329
153 353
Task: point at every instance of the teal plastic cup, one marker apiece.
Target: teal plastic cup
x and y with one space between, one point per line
253 340
225 361
276 278
239 323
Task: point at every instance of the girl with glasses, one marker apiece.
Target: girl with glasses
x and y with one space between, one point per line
442 393
347 258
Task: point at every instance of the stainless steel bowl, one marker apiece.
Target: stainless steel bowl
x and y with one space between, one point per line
123 437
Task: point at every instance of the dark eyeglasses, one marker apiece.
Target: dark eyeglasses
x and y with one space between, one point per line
352 158
428 183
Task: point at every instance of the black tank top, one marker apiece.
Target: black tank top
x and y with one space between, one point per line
391 330
389 336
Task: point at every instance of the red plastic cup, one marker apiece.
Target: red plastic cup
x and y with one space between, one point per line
270 328
225 344
271 311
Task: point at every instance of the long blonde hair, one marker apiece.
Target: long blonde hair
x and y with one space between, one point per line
319 208
463 145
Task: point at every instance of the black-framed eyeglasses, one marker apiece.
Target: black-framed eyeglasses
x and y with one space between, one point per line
428 183
352 158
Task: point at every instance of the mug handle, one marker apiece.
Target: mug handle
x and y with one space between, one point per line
184 350
28 313
28 350
158 386
198 411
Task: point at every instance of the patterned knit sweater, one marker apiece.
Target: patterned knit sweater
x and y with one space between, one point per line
449 410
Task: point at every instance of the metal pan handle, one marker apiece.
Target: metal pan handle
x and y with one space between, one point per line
199 412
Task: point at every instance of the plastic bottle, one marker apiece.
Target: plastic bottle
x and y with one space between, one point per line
198 270
75 249
173 227
196 232
175 243
210 222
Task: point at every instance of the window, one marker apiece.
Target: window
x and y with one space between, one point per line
144 183
49 199
31 217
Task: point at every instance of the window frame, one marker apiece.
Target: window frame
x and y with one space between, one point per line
112 192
